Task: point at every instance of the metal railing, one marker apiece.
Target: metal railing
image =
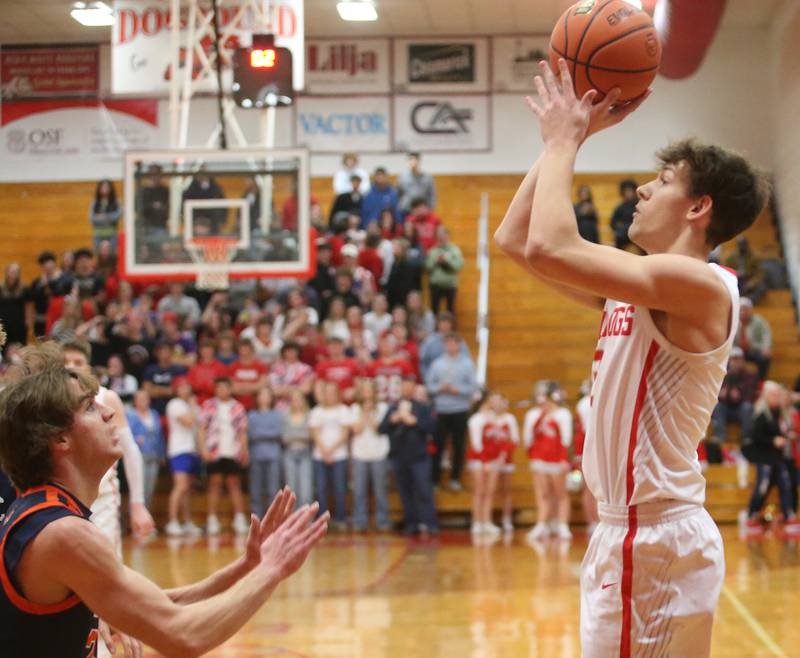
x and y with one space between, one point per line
482 321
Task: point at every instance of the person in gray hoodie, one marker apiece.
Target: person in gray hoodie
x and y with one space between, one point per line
432 347
452 384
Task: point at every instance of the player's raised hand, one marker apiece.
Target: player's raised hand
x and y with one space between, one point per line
285 550
280 509
563 118
609 113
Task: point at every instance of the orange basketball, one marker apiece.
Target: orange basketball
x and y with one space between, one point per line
607 44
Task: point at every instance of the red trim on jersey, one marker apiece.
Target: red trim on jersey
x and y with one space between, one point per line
627 545
637 410
17 600
731 270
626 588
598 355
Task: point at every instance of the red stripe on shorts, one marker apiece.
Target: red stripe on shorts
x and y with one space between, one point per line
626 588
627 584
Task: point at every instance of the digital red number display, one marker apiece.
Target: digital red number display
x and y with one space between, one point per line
265 58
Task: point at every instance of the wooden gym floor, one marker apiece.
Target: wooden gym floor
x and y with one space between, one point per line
386 597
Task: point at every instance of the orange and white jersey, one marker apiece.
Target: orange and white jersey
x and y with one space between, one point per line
650 406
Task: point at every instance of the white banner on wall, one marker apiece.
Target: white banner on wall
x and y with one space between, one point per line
435 65
347 66
69 140
442 123
515 62
335 125
140 46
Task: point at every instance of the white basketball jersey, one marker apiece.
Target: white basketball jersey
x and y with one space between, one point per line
109 485
651 404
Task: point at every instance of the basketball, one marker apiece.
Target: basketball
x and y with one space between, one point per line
607 44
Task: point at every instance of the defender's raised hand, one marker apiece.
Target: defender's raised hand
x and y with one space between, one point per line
285 550
280 509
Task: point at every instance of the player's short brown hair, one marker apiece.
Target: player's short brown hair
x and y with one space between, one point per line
78 345
737 189
33 412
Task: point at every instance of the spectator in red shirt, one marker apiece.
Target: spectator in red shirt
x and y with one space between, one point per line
364 283
289 210
390 229
425 221
389 369
339 369
248 374
407 347
206 371
313 350
370 259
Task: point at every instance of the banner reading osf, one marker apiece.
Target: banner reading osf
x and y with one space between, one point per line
73 139
141 57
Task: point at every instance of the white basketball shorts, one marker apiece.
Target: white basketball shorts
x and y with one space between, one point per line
650 582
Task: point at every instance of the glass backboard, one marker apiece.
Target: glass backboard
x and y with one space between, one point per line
255 202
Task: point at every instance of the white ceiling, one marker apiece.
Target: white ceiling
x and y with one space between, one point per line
48 21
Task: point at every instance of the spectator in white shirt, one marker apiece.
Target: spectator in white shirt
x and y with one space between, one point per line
370 454
182 418
266 344
378 320
341 179
330 426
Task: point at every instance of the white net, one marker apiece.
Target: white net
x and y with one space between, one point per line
213 256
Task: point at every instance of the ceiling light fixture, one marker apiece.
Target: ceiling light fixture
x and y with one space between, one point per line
92 14
357 10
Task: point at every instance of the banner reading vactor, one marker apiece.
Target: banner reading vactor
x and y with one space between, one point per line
141 55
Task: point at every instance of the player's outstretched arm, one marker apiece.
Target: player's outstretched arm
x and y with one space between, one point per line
512 234
77 555
555 249
281 508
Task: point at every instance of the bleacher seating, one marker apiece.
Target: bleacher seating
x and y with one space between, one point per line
534 333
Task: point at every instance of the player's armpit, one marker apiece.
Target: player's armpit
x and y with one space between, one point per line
679 285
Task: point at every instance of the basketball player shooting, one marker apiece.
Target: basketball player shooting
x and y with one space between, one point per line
654 568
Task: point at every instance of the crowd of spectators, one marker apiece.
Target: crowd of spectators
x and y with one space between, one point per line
327 384
344 382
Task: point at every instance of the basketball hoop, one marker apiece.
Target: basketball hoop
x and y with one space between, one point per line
212 255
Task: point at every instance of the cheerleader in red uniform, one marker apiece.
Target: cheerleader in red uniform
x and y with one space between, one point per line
508 435
485 458
548 434
581 423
